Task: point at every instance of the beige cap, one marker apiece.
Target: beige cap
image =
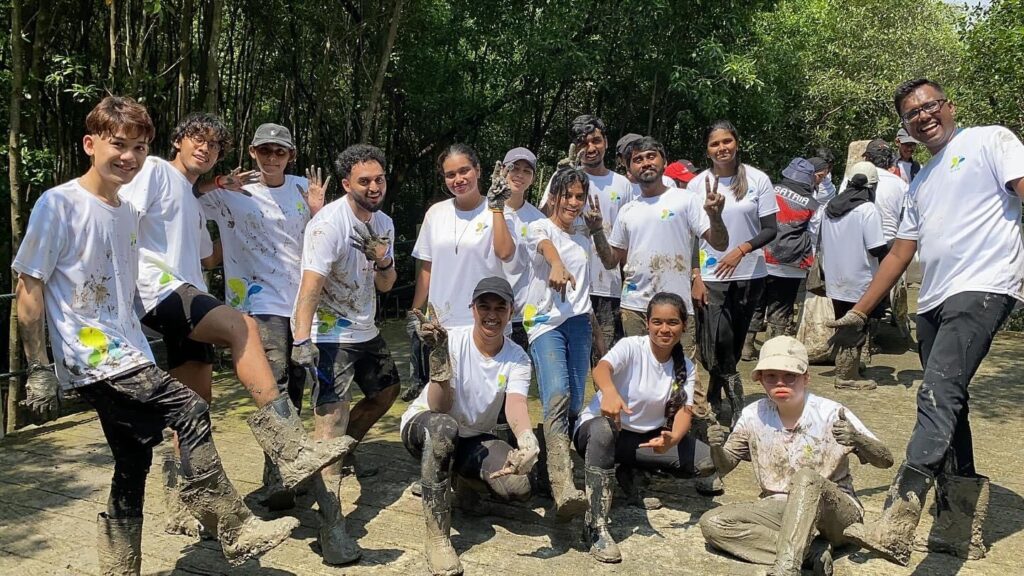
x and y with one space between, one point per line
867 169
782 353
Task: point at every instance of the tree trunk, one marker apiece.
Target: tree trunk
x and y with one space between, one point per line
185 54
378 82
112 35
212 72
14 174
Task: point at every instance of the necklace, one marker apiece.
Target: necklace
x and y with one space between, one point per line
456 235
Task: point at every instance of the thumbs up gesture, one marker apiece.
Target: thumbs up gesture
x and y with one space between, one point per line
844 432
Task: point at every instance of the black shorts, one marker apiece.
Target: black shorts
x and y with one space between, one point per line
368 364
175 317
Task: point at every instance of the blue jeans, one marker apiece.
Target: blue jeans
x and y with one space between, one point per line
561 358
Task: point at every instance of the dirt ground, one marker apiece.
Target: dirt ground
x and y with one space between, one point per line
54 480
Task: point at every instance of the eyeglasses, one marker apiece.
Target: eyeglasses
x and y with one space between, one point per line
787 378
931 108
199 140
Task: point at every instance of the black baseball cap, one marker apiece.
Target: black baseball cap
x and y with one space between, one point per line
494 285
625 141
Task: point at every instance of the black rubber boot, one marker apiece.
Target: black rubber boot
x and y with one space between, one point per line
596 535
119 545
961 505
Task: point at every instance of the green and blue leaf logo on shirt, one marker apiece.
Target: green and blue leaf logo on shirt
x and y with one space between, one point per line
102 346
240 292
502 381
531 318
956 163
667 214
628 287
481 227
328 322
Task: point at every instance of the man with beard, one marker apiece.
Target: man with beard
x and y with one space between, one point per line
963 219
346 258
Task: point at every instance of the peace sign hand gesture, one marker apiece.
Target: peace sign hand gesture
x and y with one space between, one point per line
499 192
592 217
714 201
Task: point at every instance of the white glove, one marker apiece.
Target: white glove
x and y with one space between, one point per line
521 460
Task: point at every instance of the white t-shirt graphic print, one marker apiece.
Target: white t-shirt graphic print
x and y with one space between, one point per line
261 232
172 233
965 220
85 252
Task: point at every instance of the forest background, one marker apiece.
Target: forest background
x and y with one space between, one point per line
414 76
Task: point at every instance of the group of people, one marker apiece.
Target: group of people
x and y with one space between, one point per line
629 279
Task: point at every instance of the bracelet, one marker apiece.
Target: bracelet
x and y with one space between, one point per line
384 268
497 210
302 342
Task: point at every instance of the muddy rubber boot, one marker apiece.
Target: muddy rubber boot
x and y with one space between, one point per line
442 560
595 527
119 545
569 502
279 432
273 494
242 536
847 371
336 546
352 466
961 505
734 384
872 346
629 480
892 536
177 519
749 352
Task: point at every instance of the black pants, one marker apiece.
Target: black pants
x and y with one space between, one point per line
776 305
953 339
473 459
723 322
601 446
609 322
133 409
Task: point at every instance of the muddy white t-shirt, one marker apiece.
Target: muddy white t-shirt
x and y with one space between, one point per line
545 308
613 191
845 242
459 244
261 235
964 218
172 234
479 383
658 235
518 270
742 219
777 453
85 252
348 301
645 385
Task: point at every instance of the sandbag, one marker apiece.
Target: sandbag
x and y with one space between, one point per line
812 330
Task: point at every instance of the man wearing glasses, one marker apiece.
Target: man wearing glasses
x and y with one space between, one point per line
963 218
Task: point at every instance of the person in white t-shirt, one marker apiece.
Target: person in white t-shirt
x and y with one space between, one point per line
963 220
522 166
347 257
686 172
260 246
728 286
77 268
557 319
852 243
639 418
800 446
173 240
906 167
475 372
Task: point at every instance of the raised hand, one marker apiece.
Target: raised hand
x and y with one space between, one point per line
521 460
574 158
236 180
374 247
844 432
713 201
592 217
42 398
317 193
435 337
500 191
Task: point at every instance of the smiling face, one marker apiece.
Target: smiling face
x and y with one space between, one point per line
198 153
460 175
594 146
933 129
570 205
665 326
491 313
647 166
783 387
722 148
117 158
520 177
907 151
366 185
271 159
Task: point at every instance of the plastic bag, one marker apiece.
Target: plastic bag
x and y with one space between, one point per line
812 331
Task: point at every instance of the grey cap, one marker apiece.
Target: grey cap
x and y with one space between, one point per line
625 141
903 137
520 154
273 134
494 285
800 170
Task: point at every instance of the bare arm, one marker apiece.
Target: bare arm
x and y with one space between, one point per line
504 245
608 255
306 303
681 425
419 298
440 396
32 319
215 258
384 280
1018 187
517 412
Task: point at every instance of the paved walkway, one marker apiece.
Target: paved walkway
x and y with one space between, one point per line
54 480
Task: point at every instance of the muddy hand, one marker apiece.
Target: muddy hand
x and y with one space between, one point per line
374 247
41 387
844 432
592 217
717 435
500 191
521 460
570 158
849 329
236 180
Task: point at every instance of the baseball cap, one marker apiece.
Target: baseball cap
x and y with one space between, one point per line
818 163
625 141
520 154
273 134
866 169
800 170
904 138
783 353
877 147
682 170
494 285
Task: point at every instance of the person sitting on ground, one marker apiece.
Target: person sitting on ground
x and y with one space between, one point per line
799 445
450 426
639 418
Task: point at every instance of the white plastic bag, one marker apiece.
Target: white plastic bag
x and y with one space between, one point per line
812 331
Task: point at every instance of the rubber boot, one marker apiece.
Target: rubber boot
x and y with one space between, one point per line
177 519
734 389
596 535
336 546
961 505
119 545
442 560
892 535
242 536
352 466
629 481
798 523
872 346
749 352
273 494
569 502
848 375
279 432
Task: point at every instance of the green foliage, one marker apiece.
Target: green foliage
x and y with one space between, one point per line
993 71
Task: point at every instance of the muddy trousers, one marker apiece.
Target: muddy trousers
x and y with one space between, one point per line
276 335
953 338
778 530
606 311
774 313
433 438
133 410
722 326
603 447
